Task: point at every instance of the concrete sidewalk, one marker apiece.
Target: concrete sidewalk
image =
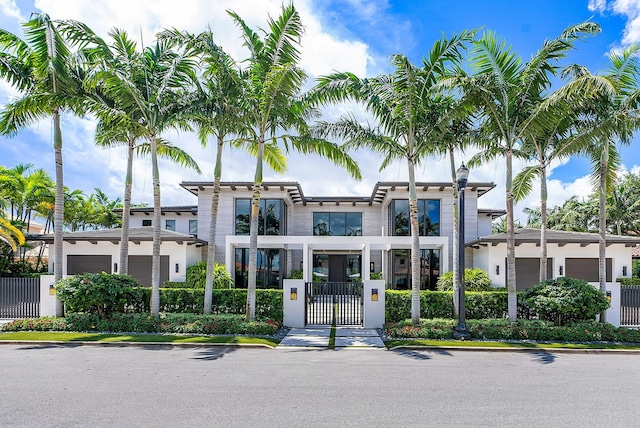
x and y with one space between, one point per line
318 337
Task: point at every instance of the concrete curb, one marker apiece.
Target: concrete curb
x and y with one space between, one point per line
530 350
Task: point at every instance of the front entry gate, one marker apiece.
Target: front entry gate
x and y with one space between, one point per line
629 305
333 303
19 297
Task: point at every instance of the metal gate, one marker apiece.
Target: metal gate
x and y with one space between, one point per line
333 303
19 297
630 305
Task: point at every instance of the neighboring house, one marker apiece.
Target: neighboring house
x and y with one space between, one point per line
572 254
338 238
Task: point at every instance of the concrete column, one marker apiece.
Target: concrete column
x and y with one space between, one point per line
613 313
293 310
373 316
47 296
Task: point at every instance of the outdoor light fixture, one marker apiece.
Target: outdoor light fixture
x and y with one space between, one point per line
294 293
374 294
115 267
461 332
497 269
177 267
561 271
372 266
624 271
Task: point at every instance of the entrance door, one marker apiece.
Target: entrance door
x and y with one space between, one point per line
337 268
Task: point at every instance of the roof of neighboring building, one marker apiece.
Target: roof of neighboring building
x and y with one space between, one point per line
136 234
294 190
635 252
488 212
193 209
561 237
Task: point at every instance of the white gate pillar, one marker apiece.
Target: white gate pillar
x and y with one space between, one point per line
293 302
373 299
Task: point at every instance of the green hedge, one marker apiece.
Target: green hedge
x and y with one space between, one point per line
144 323
229 301
439 304
495 329
629 281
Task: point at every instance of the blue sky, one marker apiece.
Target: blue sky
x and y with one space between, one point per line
353 35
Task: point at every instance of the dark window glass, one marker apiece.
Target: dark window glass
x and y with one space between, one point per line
321 224
193 227
272 208
146 222
268 268
170 225
429 269
243 216
270 217
337 224
428 217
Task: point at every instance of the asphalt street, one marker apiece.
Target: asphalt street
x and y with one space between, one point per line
127 386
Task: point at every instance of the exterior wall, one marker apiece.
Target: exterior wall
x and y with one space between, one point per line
182 254
182 221
489 257
485 226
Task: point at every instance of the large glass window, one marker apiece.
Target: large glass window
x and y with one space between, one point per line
193 227
268 268
337 224
170 225
429 269
428 217
270 217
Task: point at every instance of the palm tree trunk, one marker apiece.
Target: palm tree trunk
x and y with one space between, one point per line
543 221
58 222
155 261
512 300
253 236
211 249
415 246
602 241
456 238
124 238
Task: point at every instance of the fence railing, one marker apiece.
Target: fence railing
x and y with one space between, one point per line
19 297
630 305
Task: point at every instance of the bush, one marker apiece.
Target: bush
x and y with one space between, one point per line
563 299
296 274
143 323
503 329
635 268
629 281
175 284
474 280
197 275
97 293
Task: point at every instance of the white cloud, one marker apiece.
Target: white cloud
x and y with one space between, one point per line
629 8
9 8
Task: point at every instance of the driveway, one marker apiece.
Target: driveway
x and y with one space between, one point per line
126 386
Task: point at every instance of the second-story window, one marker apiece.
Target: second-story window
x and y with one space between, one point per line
193 227
146 222
337 224
270 217
170 225
428 217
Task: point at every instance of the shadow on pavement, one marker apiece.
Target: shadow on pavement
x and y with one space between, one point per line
212 354
544 357
49 346
420 355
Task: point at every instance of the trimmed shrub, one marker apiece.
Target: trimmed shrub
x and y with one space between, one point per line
629 281
635 268
97 293
143 323
474 280
296 274
197 275
562 300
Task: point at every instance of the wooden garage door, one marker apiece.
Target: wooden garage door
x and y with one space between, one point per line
140 269
586 268
77 264
528 271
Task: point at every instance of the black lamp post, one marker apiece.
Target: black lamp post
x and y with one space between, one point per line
461 332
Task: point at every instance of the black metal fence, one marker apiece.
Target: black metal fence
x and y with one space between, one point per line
329 303
19 297
630 305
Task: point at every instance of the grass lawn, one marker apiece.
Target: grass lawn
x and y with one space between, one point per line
516 345
71 337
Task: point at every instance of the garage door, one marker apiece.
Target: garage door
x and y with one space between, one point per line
528 271
140 269
587 269
78 264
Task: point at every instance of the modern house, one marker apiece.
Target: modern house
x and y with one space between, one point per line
338 238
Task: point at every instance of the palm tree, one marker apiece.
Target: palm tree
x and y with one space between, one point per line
154 92
271 100
10 234
609 118
43 69
508 95
411 119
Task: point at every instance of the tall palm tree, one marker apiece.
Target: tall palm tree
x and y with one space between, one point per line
218 112
508 95
272 102
609 118
411 119
43 69
155 93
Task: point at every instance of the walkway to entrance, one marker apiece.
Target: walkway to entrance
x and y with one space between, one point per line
318 337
